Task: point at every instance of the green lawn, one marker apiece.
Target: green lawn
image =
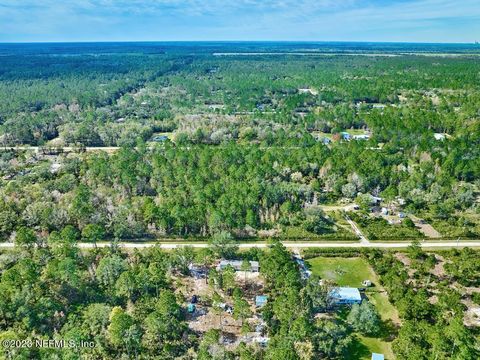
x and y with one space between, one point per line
367 345
385 308
351 272
344 271
356 131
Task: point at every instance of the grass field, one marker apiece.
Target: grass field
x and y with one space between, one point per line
351 272
344 271
366 345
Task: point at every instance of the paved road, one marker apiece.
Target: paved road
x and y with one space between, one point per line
291 245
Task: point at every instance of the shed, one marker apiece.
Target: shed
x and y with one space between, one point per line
345 296
191 308
367 283
361 137
376 356
376 200
345 135
439 136
260 300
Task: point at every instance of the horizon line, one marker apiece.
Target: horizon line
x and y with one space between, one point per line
237 41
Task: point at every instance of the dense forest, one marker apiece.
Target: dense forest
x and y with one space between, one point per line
245 143
132 305
226 143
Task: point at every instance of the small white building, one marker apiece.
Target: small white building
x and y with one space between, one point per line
366 283
376 200
307 91
361 137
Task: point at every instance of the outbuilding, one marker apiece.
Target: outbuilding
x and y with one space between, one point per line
367 283
361 137
439 136
345 135
260 300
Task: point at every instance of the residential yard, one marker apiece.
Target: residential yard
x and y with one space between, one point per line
351 272
344 271
374 345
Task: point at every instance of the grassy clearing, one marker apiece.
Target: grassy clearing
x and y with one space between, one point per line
351 272
374 345
356 131
385 308
344 271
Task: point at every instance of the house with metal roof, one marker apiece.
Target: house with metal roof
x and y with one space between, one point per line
260 300
376 356
345 296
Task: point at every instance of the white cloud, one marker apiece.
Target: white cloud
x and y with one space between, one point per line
240 19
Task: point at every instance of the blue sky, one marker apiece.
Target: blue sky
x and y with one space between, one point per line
308 20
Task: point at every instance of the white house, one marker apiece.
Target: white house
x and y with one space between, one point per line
345 296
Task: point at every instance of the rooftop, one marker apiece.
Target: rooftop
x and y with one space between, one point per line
260 300
346 293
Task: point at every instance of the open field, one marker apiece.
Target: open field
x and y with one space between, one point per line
364 347
344 271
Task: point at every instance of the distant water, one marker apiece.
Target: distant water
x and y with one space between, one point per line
99 48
